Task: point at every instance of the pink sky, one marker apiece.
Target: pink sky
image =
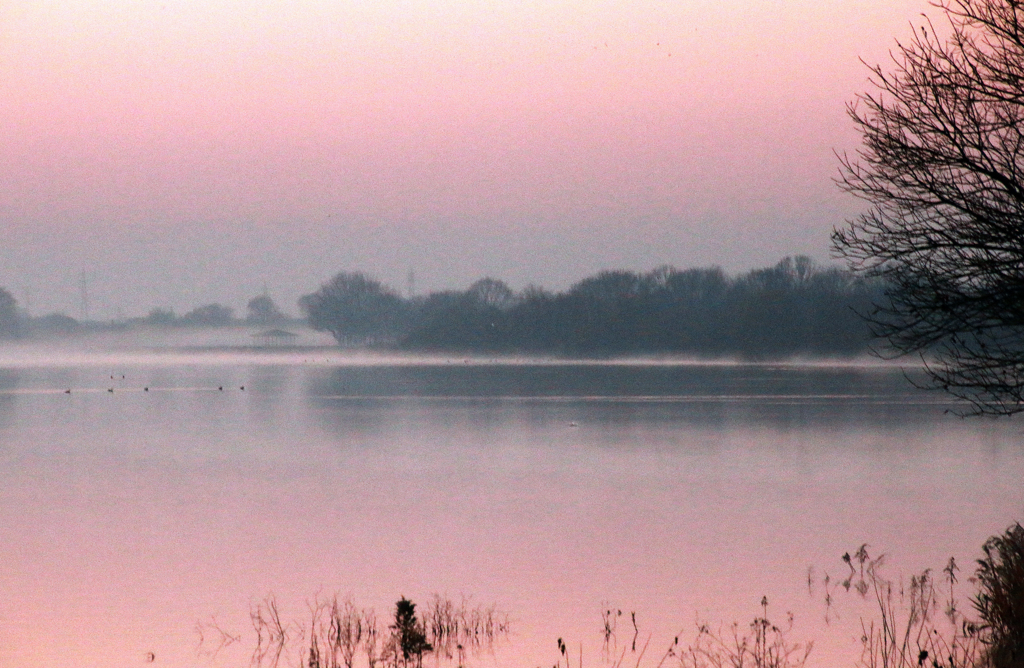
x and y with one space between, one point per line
182 153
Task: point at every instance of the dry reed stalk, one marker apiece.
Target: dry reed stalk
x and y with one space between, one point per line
908 631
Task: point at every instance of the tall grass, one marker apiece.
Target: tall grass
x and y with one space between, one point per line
759 644
337 633
918 622
1000 601
921 623
915 623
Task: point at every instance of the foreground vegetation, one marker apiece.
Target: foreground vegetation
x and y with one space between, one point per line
916 624
339 633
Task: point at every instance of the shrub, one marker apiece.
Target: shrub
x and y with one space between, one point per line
1000 601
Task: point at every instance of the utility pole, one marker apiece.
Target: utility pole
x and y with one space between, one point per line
410 284
84 285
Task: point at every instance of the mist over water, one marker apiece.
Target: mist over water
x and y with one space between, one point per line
551 489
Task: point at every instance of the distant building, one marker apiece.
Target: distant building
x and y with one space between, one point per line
274 337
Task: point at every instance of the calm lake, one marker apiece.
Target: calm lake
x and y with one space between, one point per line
680 492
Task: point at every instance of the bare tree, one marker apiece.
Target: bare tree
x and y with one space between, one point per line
492 292
942 165
210 315
261 310
354 308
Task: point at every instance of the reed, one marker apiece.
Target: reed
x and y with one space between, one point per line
920 622
760 644
915 623
339 634
1000 601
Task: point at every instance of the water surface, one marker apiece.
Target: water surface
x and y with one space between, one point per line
674 490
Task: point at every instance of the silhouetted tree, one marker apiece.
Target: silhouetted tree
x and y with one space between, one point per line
792 308
210 315
9 317
691 310
942 165
54 323
774 311
452 320
492 293
607 313
261 310
410 638
354 307
536 322
161 317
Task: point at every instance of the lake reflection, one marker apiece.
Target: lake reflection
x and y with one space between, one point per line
550 489
699 395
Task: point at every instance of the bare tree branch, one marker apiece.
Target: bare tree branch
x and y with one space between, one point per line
942 165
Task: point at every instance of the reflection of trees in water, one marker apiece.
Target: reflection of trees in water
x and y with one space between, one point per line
353 416
371 400
463 378
9 380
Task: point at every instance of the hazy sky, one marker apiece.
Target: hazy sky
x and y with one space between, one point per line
182 153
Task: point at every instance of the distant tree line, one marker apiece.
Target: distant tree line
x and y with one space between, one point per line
795 307
15 323
261 310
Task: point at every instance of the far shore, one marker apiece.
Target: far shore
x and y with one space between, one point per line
235 344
